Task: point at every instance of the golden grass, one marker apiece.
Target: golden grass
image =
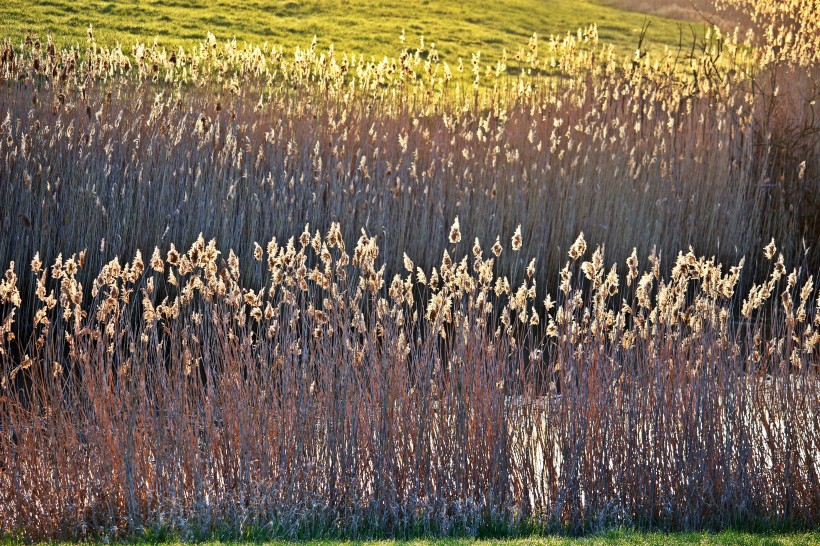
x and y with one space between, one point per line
469 365
322 401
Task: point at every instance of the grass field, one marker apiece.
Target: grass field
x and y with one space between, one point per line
630 538
372 27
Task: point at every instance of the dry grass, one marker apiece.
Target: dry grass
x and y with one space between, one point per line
330 400
468 366
687 152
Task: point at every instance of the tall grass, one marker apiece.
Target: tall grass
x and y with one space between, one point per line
468 366
157 147
328 400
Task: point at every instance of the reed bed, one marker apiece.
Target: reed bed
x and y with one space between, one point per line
188 345
329 400
242 144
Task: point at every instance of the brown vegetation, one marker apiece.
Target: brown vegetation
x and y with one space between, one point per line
436 377
330 400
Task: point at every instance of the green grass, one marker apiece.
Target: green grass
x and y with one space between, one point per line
629 538
370 27
726 538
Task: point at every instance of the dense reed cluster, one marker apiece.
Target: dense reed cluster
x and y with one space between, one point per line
329 399
468 366
244 143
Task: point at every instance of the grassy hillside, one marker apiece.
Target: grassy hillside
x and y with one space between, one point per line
457 27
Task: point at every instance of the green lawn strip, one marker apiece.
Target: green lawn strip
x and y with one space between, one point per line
627 538
725 538
371 27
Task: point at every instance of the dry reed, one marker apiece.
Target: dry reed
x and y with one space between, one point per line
329 400
418 382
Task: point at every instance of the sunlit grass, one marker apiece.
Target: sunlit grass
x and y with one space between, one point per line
372 27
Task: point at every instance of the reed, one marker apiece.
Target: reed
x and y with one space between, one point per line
177 356
329 400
